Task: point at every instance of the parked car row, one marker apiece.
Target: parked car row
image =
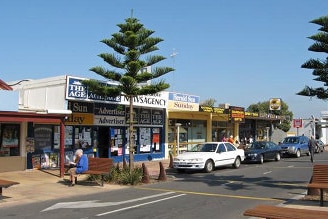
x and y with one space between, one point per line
209 155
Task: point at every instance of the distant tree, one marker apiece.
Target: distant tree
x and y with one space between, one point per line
208 102
128 63
263 107
320 67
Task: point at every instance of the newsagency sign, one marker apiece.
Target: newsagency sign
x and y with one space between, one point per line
75 90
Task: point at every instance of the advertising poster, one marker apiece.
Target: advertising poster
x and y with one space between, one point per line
36 162
9 136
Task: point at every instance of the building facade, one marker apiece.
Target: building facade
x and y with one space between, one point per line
62 116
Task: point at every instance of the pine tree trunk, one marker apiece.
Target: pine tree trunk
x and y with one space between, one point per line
131 138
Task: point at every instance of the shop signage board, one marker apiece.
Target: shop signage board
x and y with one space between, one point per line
297 123
75 90
185 102
237 114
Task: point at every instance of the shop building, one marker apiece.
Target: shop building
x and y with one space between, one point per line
200 123
59 115
96 124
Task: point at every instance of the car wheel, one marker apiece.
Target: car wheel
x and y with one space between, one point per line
237 162
278 157
261 160
298 153
209 166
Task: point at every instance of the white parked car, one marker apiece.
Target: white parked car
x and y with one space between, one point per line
208 155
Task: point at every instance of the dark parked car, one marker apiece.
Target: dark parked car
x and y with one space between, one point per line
260 151
321 146
295 145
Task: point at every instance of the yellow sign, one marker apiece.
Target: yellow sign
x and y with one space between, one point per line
79 119
275 104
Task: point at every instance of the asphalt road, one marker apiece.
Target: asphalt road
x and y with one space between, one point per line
224 193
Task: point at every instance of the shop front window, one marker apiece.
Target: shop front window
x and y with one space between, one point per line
9 140
116 141
82 138
156 140
145 140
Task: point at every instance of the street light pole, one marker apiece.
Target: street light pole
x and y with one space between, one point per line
313 126
267 133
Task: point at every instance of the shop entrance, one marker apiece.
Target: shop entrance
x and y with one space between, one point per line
103 142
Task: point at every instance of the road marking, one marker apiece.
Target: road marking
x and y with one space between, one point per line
212 194
139 205
265 173
96 204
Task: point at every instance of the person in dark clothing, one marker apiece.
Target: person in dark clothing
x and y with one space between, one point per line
312 146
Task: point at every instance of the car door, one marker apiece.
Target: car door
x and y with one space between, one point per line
270 150
304 141
220 155
231 153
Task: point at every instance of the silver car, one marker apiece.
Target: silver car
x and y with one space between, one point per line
295 146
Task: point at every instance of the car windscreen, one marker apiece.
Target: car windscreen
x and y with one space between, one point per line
207 147
291 140
257 145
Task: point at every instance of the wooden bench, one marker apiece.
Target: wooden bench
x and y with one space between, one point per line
98 166
277 212
6 184
319 179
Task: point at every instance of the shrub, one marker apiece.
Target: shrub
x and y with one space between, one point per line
121 175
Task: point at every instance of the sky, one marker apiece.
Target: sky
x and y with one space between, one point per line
234 51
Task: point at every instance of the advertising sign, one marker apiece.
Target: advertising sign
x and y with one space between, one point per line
237 114
297 123
275 104
75 90
186 102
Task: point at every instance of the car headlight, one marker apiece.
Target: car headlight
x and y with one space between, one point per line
252 154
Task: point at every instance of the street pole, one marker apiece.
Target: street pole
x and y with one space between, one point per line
178 136
313 126
267 133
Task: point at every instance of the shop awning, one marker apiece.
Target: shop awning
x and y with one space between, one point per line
13 116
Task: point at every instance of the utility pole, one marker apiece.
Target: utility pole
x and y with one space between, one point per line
313 126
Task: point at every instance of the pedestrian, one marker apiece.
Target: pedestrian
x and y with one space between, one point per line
312 146
231 139
79 167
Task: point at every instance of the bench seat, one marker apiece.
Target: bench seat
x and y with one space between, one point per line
6 184
278 212
319 179
98 166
